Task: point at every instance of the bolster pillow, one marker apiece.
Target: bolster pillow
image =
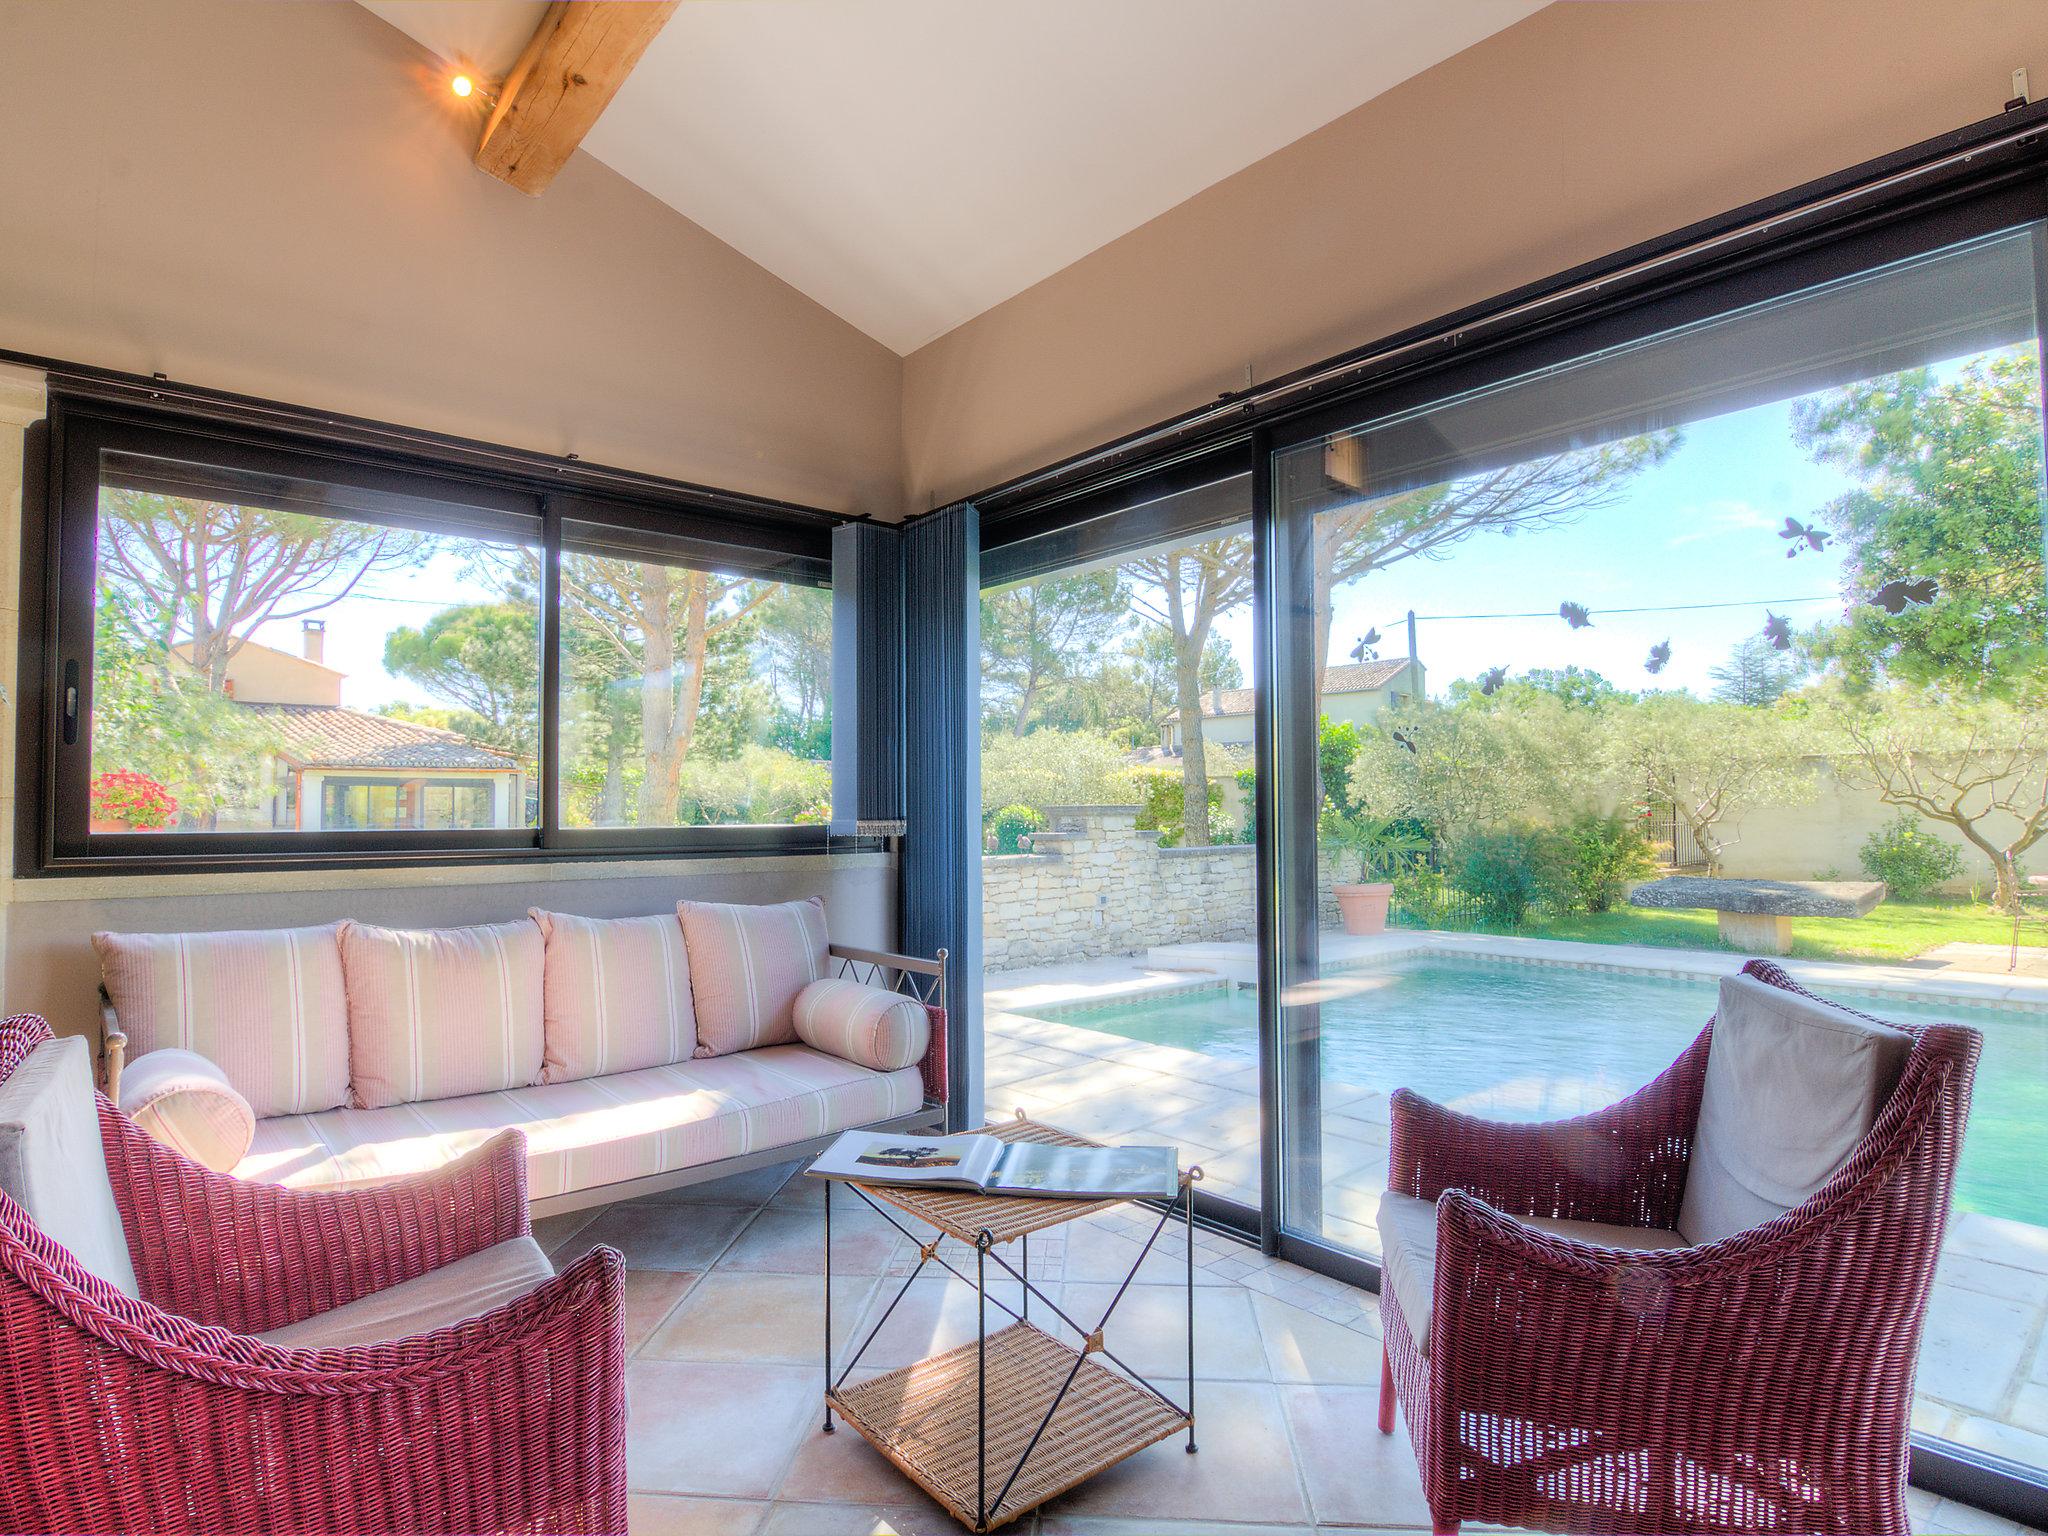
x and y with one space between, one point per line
868 1026
187 1103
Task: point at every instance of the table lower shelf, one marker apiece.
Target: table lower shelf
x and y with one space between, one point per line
922 1417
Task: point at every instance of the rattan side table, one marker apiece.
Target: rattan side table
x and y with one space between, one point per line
995 1428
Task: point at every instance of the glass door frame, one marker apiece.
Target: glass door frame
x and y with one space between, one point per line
1284 635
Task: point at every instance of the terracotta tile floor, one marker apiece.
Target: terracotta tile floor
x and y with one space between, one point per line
725 1324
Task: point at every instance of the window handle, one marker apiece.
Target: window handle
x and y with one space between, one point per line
70 703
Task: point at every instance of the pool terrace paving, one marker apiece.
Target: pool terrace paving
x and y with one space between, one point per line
1984 1361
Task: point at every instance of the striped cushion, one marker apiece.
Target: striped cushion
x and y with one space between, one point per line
267 1007
440 1012
747 965
616 996
187 1103
872 1026
598 1130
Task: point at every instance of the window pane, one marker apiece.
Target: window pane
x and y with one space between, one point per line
691 697
1753 612
278 655
1119 906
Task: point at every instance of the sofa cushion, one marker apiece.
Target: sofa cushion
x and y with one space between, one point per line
873 1026
473 1285
188 1104
616 995
1408 1252
597 1130
268 1007
435 1013
747 964
52 1163
1793 1084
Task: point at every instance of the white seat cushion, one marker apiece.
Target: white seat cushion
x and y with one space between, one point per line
597 1130
1792 1086
1408 1247
454 1293
52 1164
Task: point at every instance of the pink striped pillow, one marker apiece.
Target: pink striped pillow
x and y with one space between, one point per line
747 964
435 1013
868 1026
616 995
267 1007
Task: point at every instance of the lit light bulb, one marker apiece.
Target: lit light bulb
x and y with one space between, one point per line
462 85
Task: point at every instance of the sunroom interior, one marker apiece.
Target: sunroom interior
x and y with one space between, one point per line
1319 584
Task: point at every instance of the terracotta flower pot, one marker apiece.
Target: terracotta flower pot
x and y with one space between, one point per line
1364 906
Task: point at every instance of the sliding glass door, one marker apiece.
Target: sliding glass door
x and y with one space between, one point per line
1755 597
1118 874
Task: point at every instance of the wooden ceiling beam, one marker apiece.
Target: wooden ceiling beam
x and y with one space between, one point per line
572 66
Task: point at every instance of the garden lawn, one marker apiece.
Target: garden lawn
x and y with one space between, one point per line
1897 930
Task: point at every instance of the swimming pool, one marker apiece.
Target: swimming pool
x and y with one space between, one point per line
1535 1042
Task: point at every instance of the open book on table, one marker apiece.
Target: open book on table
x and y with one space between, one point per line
985 1165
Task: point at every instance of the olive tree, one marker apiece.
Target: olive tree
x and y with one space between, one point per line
1713 762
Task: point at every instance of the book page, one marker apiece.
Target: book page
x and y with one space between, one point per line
876 1157
1035 1168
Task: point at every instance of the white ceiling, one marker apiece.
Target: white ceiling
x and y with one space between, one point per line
911 163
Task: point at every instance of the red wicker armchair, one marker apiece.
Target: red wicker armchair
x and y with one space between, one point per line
165 1415
1758 1383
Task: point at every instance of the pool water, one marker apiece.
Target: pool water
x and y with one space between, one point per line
1536 1042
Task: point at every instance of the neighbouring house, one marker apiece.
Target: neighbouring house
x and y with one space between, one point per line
1356 692
342 769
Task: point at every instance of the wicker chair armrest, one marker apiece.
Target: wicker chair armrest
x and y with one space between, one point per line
251 1257
1624 1164
353 1439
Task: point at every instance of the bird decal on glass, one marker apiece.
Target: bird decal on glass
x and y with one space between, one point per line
1803 536
1578 615
1778 631
1491 679
1895 597
1367 648
1660 657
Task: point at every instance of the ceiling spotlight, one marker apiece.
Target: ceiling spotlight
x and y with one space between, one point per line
462 85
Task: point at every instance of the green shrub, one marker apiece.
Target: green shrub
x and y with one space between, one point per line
1013 823
1504 872
1596 857
1418 895
1162 808
1909 859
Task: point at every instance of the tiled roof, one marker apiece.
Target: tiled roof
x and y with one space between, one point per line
324 736
1354 677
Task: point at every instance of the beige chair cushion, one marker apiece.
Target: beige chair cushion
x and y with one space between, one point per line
454 1293
52 1163
187 1103
1408 1249
1792 1086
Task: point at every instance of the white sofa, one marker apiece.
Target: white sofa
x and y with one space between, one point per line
634 1054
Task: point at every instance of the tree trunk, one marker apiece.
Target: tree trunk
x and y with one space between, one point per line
671 683
1188 644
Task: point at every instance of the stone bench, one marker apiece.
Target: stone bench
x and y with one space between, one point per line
1756 915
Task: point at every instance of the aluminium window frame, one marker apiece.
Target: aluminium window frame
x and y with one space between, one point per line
91 414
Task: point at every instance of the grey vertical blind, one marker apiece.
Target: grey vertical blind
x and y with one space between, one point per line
867 680
940 863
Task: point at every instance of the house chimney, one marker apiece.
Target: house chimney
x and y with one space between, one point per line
314 634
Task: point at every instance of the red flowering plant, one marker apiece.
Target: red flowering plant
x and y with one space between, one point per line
132 800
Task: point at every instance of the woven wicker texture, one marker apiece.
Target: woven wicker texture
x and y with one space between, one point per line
164 1415
1002 1217
923 1418
1761 1383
